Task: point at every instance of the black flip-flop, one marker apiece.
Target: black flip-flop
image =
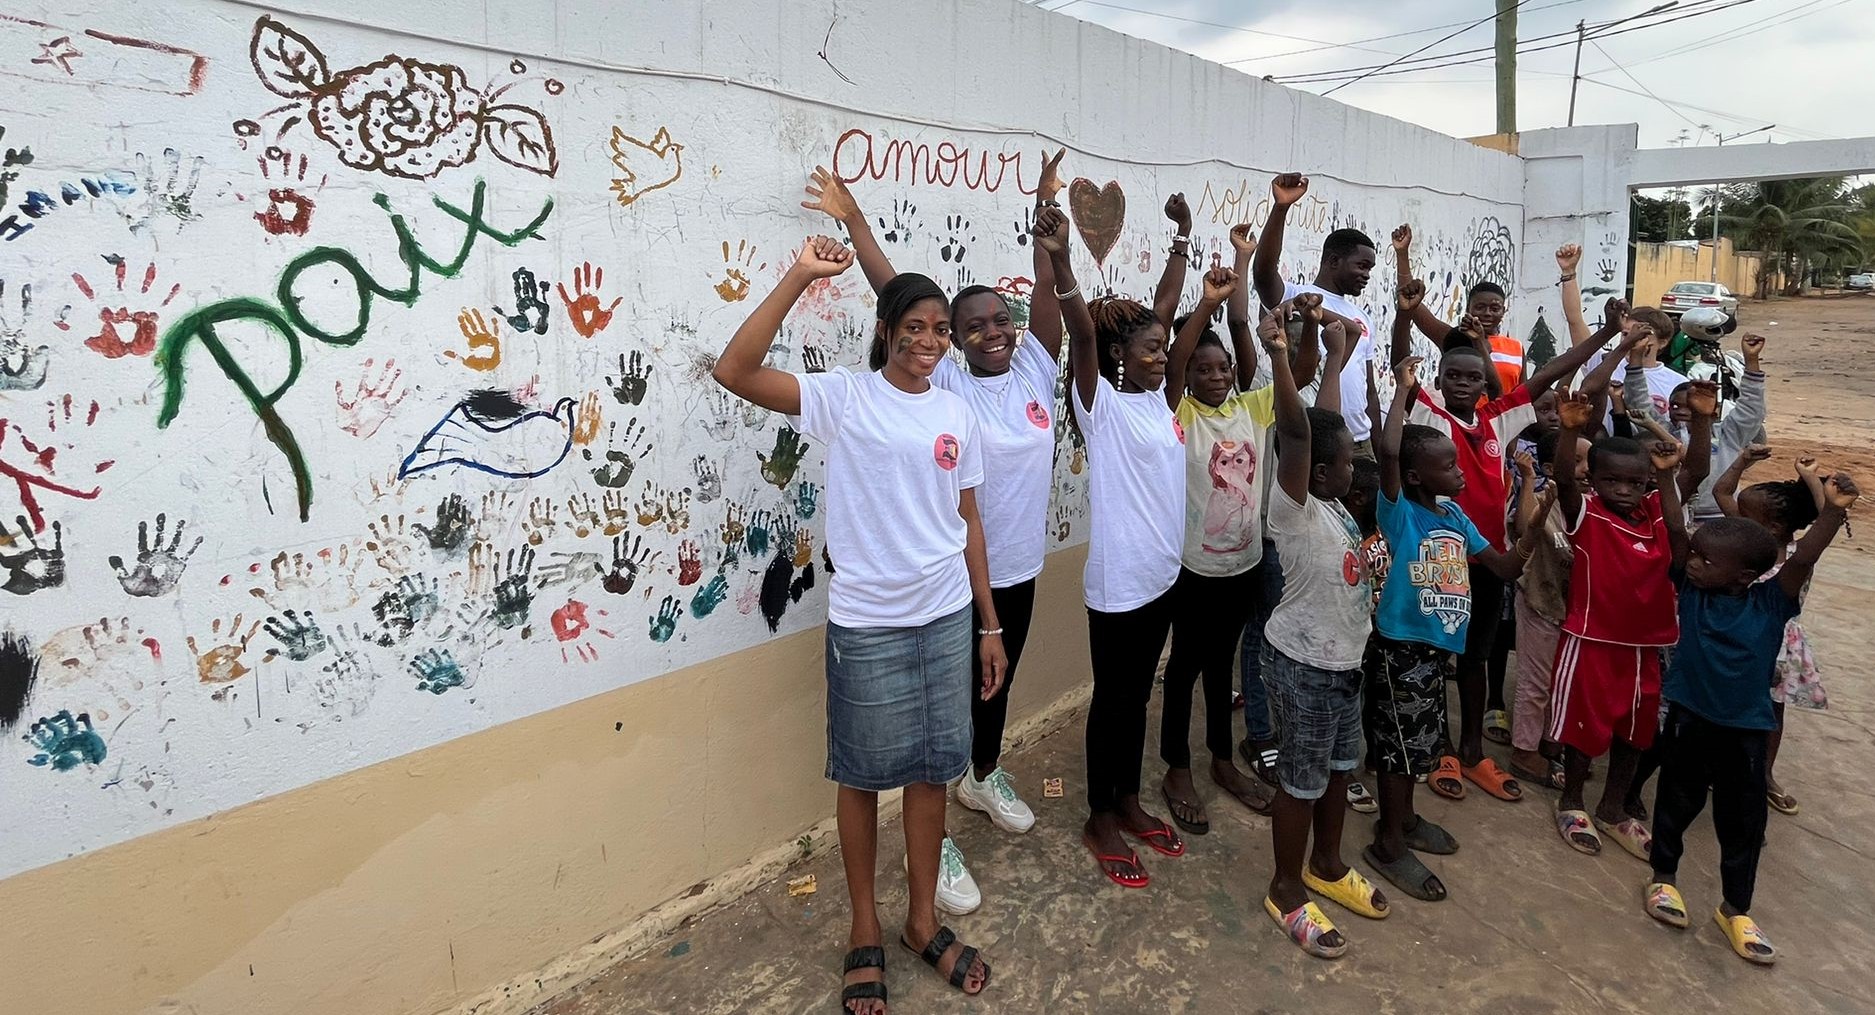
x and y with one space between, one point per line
867 957
1554 779
1408 875
1191 827
933 954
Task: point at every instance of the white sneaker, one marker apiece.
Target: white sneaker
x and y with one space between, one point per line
996 797
957 891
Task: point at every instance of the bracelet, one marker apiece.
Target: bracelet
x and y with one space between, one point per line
1047 204
1571 277
985 632
1524 555
1070 294
1175 252
1181 237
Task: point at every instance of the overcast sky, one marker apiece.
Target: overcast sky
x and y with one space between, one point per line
1731 66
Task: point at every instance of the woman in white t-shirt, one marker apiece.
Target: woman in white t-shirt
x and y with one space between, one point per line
903 461
1136 493
1008 380
1224 426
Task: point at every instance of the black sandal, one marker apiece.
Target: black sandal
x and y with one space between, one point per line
1262 761
867 957
960 970
1191 827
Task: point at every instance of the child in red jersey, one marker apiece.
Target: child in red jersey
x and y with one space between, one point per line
1606 693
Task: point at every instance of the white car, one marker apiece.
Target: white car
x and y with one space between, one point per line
1686 296
1866 280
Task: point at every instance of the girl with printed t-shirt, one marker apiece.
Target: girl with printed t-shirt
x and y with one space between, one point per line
903 462
1136 497
1008 381
1224 433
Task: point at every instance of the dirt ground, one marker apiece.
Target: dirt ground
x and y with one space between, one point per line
1530 925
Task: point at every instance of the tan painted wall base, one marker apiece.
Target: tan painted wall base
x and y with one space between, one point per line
439 880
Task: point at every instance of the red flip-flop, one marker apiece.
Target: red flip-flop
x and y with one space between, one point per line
1163 840
1139 880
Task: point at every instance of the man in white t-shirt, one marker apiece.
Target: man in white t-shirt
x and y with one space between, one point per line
1348 259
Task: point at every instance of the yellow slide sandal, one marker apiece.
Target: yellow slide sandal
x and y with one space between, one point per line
1306 925
1353 892
1745 938
1665 904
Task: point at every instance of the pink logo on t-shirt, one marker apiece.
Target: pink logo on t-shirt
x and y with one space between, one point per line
1492 449
1038 415
1179 430
946 451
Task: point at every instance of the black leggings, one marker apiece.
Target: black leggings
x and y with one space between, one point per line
1697 757
1125 648
1207 623
1015 605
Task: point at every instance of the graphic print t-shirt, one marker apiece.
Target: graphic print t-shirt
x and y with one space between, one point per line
1480 446
1017 432
1427 597
1326 611
1360 356
1224 486
897 463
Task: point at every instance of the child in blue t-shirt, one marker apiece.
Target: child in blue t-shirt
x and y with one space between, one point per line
1719 716
1419 627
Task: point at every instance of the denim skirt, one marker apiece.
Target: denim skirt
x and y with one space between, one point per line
898 703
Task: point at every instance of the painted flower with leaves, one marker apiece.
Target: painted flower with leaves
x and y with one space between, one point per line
400 116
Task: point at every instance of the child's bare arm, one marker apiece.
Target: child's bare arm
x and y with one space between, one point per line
1237 308
1387 449
1293 465
1667 456
1526 513
1839 495
1807 471
1411 295
1703 399
1725 488
1335 337
1573 408
1266 268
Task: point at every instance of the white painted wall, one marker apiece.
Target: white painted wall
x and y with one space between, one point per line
165 174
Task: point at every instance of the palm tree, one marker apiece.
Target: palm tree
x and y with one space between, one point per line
1797 223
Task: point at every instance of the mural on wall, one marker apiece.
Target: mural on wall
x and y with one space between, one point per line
349 403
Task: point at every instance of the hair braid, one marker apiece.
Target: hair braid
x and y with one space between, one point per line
1116 320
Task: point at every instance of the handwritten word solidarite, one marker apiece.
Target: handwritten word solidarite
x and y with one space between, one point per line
286 319
944 164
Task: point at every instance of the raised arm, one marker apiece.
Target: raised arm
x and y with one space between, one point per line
1839 495
1424 319
1044 308
1703 399
1219 283
827 194
1526 514
1308 359
1575 410
1807 471
1335 337
741 369
1237 309
1564 366
1294 463
1408 298
1177 259
1568 256
1666 456
1266 270
1598 379
1387 449
1051 234
1744 418
1725 488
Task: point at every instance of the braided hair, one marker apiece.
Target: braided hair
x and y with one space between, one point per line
896 298
1786 503
1117 321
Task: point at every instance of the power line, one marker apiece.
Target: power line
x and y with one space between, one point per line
1671 108
1486 53
1493 16
1228 28
1734 117
1740 31
1379 38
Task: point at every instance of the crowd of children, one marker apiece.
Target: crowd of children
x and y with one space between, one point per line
1392 548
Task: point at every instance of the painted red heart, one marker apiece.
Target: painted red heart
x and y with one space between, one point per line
1099 214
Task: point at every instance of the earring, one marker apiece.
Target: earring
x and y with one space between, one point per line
1119 375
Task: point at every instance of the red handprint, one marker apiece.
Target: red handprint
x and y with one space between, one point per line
689 563
373 402
109 342
583 308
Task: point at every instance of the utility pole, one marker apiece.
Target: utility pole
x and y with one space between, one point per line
1507 66
1575 76
1715 194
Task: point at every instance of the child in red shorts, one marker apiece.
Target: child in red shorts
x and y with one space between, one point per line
1606 693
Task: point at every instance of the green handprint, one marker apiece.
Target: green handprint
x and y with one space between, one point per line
665 623
437 671
65 742
806 500
756 539
778 468
709 597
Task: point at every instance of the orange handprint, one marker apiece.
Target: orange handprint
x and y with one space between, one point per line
735 284
111 343
583 308
484 341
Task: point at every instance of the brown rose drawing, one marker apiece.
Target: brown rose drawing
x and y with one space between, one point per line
400 116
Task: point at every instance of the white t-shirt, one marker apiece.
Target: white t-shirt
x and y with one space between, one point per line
897 464
1661 380
1135 494
1018 441
1326 612
1360 360
1224 485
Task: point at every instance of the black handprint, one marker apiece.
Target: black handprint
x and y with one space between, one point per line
1605 269
709 480
298 634
904 222
159 567
530 298
633 381
813 360
1024 227
453 526
959 229
620 462
628 559
513 594
34 568
22 364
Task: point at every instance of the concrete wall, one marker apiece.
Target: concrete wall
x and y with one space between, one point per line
1575 191
422 698
1657 266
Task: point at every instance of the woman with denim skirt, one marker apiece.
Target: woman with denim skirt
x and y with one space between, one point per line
902 464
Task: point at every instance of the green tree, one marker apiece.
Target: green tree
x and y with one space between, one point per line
1659 219
1799 224
1542 341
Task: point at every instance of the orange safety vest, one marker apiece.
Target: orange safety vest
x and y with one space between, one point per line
1507 357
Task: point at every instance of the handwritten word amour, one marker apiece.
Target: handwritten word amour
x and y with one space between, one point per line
286 319
945 164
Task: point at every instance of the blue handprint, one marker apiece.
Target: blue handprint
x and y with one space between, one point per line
437 671
710 596
756 539
806 500
64 742
665 623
